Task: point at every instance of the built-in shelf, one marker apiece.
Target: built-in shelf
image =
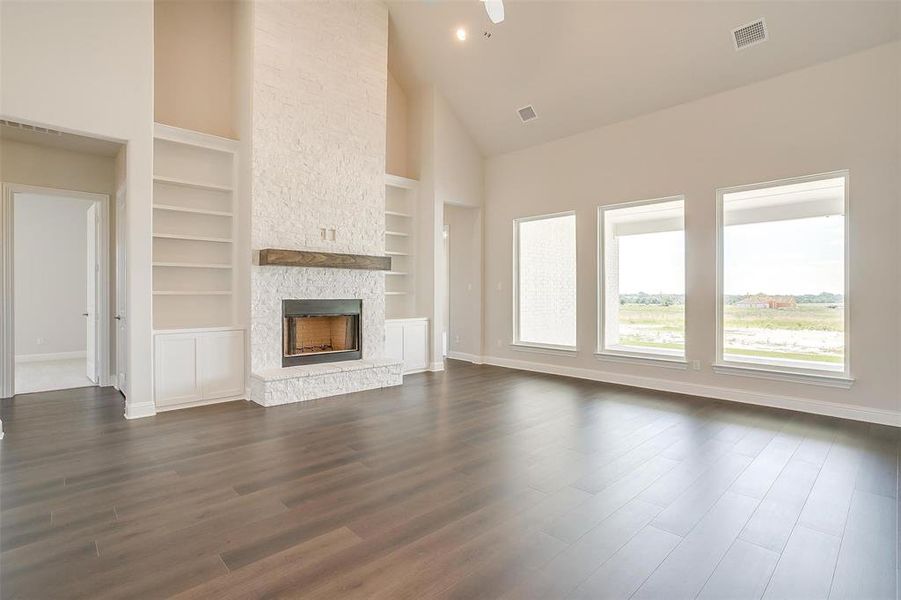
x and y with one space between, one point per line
400 182
195 225
192 293
400 242
177 265
196 211
191 238
192 184
186 137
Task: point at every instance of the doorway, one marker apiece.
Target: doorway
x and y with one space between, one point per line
56 284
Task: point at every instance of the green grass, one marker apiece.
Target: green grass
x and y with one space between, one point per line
829 358
805 317
671 319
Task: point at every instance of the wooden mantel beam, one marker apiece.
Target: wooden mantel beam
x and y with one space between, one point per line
328 260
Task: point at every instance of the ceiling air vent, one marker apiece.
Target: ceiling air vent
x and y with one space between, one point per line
527 113
750 35
24 127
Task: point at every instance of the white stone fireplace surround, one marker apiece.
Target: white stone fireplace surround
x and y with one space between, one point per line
272 384
317 148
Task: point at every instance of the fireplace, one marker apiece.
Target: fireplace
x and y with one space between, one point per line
318 331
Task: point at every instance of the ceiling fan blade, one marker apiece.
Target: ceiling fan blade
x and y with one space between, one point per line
495 10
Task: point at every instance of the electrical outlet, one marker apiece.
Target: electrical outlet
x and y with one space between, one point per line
40 341
332 234
500 286
322 232
499 343
457 339
696 365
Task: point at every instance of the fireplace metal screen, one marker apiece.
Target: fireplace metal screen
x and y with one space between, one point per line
315 331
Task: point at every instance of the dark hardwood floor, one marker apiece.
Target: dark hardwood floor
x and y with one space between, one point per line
479 482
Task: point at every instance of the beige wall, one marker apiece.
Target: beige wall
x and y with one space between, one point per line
30 164
838 115
449 169
97 80
464 226
396 138
458 162
193 65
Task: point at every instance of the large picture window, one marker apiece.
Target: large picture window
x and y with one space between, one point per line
782 275
642 279
545 286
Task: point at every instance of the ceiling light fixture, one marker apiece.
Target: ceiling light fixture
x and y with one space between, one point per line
495 10
461 34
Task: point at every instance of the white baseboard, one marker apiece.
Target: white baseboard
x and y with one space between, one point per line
114 380
436 366
831 409
473 358
27 358
139 410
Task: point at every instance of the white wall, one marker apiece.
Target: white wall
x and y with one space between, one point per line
87 67
50 273
838 115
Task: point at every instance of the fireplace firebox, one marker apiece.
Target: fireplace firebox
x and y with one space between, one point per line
318 331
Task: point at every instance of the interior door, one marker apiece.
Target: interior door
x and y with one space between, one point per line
90 313
121 332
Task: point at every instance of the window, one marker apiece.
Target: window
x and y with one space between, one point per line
642 280
545 286
782 275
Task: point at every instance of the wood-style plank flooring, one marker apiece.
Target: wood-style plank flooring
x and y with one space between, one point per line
478 482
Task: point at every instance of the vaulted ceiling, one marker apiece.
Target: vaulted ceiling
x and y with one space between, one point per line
586 64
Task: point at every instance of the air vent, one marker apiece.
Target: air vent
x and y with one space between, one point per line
527 113
24 127
750 35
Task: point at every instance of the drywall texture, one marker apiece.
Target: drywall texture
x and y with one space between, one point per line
464 227
193 65
837 115
32 164
95 79
396 137
318 140
50 274
458 162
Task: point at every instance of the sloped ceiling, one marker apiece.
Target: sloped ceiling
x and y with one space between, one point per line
587 64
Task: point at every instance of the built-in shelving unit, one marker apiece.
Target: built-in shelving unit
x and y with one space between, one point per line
400 240
193 229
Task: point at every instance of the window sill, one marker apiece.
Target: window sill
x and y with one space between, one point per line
826 379
651 360
544 349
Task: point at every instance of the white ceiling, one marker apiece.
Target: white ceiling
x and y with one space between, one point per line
587 64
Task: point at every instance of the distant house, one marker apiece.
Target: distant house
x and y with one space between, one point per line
764 301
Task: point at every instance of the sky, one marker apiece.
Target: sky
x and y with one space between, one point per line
801 256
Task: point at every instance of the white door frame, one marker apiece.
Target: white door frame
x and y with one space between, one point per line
7 281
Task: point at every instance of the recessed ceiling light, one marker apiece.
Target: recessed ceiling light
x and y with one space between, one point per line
461 34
